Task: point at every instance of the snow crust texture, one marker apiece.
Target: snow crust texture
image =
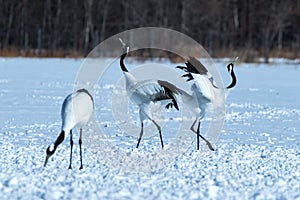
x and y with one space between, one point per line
256 157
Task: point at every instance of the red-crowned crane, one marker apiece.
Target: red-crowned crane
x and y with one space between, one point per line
76 111
205 92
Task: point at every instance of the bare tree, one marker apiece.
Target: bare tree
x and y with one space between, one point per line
259 26
9 22
88 24
56 25
106 4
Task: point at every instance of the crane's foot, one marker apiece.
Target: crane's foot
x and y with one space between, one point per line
210 147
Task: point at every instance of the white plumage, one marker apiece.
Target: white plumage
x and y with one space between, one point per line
205 93
76 111
144 92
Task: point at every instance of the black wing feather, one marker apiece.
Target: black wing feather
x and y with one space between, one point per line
193 66
170 90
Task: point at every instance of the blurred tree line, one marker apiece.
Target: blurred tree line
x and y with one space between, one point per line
253 28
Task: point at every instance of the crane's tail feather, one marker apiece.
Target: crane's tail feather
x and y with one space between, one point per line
170 91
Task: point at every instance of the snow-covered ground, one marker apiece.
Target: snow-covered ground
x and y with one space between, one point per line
257 155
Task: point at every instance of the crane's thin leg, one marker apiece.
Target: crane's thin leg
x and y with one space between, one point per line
198 136
198 133
207 143
141 134
159 130
192 127
71 143
80 142
158 127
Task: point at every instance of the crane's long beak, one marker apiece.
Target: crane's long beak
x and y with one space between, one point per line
235 59
46 160
125 46
123 43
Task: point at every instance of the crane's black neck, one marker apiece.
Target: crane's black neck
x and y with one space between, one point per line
123 67
233 82
58 141
50 150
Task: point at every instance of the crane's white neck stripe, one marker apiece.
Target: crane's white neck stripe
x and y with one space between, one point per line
51 147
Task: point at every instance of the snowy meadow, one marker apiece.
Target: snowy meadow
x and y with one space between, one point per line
257 155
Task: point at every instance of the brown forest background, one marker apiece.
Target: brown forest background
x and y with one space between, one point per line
254 28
